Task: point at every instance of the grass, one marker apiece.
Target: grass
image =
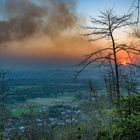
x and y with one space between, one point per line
67 100
48 102
20 111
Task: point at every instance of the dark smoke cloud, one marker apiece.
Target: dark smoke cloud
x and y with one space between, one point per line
24 18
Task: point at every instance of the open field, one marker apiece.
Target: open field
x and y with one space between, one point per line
67 100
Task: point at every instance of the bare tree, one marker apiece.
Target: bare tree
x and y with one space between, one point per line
30 121
109 84
130 80
104 27
92 93
130 84
135 9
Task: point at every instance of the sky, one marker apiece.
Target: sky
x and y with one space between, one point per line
92 7
51 33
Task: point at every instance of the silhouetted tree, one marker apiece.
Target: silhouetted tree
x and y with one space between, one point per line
104 27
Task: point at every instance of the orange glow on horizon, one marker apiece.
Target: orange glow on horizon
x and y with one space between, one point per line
124 63
66 48
124 58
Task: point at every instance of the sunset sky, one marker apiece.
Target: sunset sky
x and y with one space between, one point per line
49 30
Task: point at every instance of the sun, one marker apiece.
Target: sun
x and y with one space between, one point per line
124 63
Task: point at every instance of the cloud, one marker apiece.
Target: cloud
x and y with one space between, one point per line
43 29
24 18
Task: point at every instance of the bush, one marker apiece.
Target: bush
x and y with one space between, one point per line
125 121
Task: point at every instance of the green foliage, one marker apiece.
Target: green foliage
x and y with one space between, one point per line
73 133
53 112
131 103
125 123
102 124
1 136
103 135
20 111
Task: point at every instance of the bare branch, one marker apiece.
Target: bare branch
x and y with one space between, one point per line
104 27
99 38
91 61
94 53
129 49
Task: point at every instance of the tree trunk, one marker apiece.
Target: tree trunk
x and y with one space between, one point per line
116 69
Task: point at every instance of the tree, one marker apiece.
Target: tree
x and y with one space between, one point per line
130 81
3 96
104 27
30 121
109 84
